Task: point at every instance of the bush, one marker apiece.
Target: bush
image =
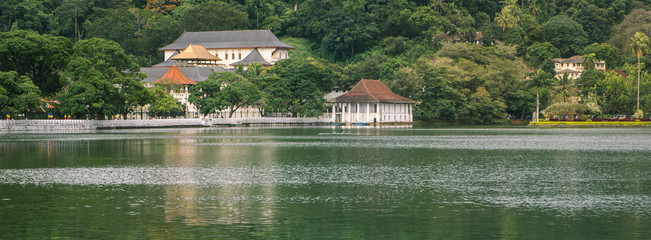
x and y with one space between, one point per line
588 120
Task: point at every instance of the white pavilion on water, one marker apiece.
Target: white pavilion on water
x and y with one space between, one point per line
370 101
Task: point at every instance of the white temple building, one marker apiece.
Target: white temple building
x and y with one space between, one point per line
194 56
370 101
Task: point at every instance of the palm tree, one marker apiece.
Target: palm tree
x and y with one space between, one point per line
534 8
509 16
438 6
588 61
540 79
639 46
503 21
563 85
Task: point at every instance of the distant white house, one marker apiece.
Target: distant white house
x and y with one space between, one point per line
574 66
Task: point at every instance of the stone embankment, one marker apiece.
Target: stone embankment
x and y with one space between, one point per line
49 125
270 121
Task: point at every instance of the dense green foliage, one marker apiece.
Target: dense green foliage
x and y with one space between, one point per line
101 81
339 42
224 91
17 93
39 57
163 104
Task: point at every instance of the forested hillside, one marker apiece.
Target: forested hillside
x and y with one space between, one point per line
409 45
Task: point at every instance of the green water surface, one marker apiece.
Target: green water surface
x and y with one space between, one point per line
292 183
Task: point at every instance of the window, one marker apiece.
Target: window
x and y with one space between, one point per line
233 55
226 54
239 55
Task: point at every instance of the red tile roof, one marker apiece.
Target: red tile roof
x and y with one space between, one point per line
175 76
371 91
620 73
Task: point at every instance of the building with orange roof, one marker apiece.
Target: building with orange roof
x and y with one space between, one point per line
194 56
370 101
175 76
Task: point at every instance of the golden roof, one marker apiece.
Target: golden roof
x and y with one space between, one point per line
195 52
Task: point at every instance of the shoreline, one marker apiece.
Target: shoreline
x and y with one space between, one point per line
571 124
74 125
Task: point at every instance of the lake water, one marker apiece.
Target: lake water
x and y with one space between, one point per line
292 183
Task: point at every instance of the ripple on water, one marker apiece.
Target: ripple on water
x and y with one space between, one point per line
522 188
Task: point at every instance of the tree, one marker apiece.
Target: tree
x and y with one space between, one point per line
213 16
406 82
509 17
430 23
237 91
393 16
617 94
538 52
253 70
260 9
640 45
162 103
24 15
605 52
566 35
588 61
68 18
205 95
568 110
102 81
224 90
305 82
158 31
39 57
564 85
162 6
594 22
274 94
17 93
368 68
342 29
484 109
539 80
120 25
453 83
639 20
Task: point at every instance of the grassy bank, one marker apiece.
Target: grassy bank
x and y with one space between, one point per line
443 123
589 124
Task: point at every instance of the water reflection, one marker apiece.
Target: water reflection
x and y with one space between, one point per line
185 197
292 183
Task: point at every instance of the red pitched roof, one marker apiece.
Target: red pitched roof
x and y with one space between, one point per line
620 73
372 91
175 76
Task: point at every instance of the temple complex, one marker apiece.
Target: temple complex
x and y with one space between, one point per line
194 56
